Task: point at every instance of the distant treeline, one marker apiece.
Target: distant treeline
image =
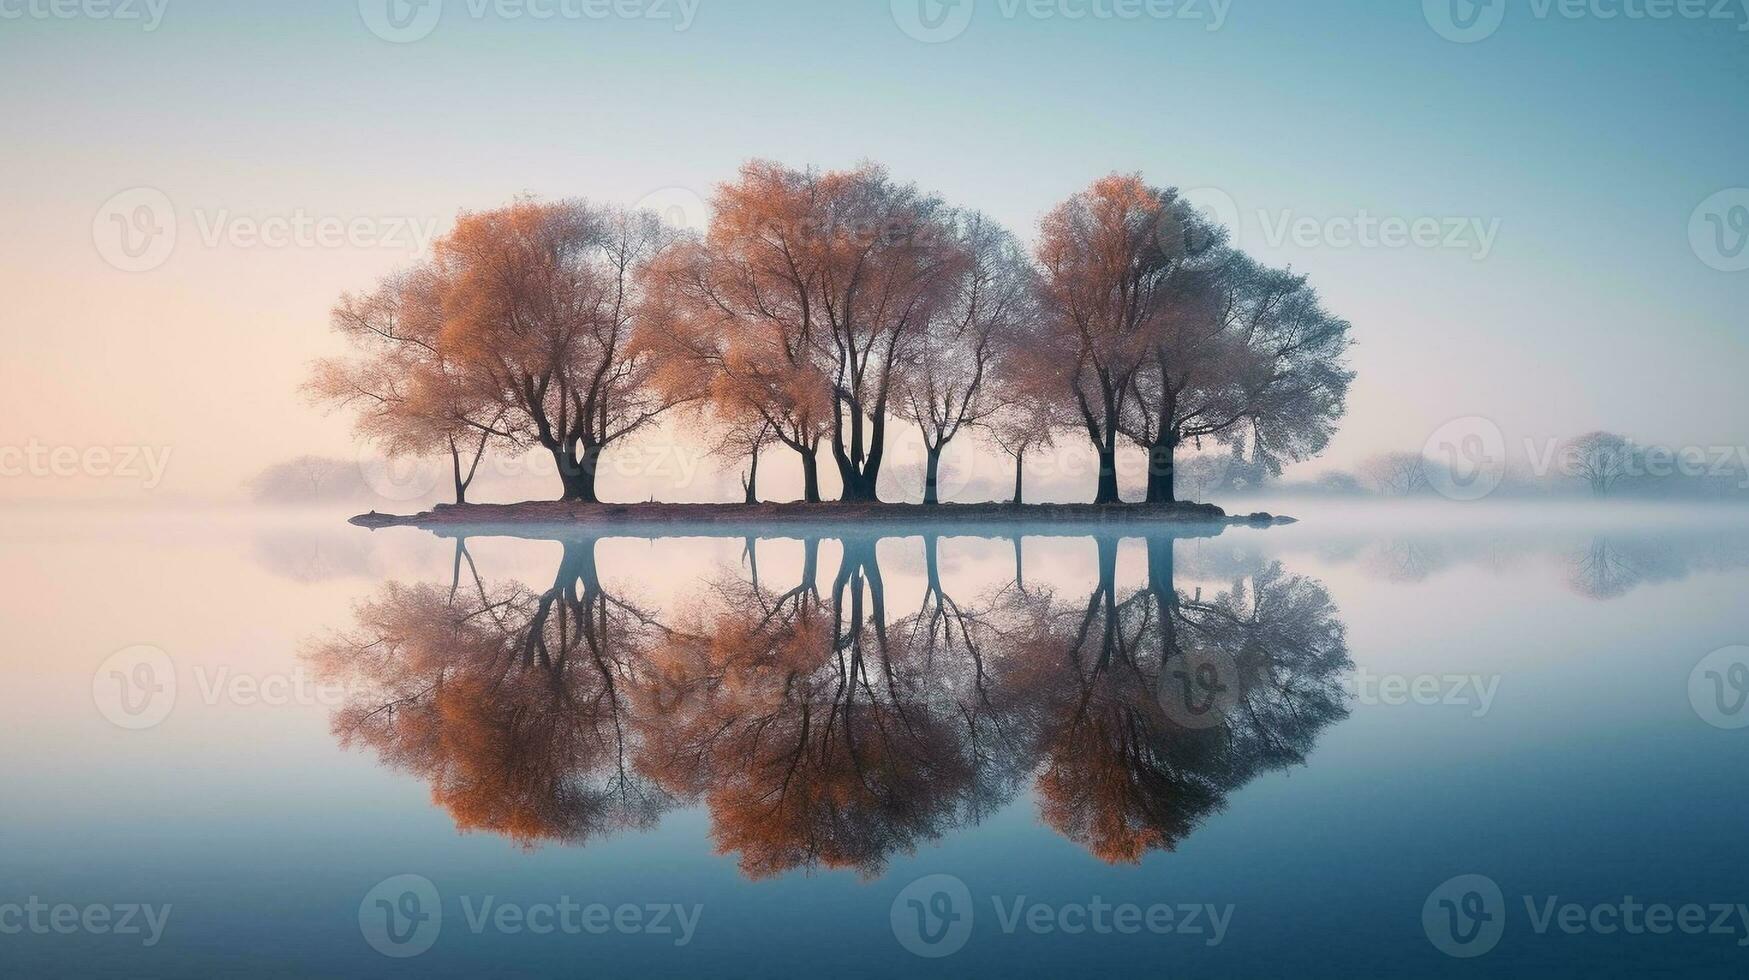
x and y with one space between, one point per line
1597 464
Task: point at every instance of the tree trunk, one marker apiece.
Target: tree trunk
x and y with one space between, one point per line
1160 569
751 483
1019 475
859 471
859 484
932 566
932 478
811 564
810 477
1161 457
859 487
577 476
1107 493
455 462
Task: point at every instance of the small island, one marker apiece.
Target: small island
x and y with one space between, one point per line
664 520
816 311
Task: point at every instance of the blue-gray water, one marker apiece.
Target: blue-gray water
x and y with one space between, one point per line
804 779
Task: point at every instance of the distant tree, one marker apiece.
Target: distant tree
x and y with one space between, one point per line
1396 474
1203 472
1338 482
952 358
1601 459
305 479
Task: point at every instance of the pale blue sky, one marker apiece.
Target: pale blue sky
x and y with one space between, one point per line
1584 144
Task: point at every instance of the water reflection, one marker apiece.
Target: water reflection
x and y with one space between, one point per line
819 726
1601 566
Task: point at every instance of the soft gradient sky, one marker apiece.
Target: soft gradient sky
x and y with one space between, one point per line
1590 141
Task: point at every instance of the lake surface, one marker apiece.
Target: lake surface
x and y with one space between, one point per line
1440 741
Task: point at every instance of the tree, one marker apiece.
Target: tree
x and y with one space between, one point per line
952 359
804 292
1202 472
1396 474
306 478
733 317
1109 259
886 258
744 443
1241 354
406 386
1031 402
540 304
1601 459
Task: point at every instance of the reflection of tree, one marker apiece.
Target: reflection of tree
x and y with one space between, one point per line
1610 567
1405 560
1122 772
513 705
820 728
301 555
816 734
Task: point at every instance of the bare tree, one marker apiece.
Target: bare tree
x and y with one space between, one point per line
954 356
1396 474
1601 459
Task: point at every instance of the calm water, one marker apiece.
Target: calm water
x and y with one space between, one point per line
1223 753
